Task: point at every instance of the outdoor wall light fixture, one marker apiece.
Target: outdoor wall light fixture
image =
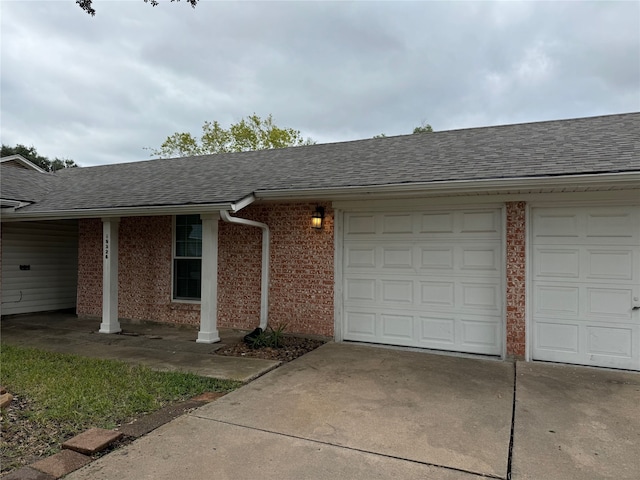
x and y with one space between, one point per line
317 218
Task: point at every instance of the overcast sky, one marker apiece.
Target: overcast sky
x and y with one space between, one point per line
100 89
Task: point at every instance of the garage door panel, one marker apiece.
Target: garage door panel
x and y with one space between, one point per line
556 224
360 257
480 258
612 303
480 334
437 223
397 327
397 257
487 221
360 289
437 331
438 258
397 223
440 294
554 300
611 223
480 295
358 224
582 312
397 291
557 336
557 262
610 264
610 341
414 280
361 325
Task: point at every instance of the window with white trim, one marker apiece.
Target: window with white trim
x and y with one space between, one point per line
187 257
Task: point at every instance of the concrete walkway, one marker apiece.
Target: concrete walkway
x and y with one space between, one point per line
161 347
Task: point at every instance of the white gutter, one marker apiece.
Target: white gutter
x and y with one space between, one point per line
627 179
142 211
264 286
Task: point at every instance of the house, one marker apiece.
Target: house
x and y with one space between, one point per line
510 241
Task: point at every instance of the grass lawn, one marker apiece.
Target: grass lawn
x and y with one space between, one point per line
58 396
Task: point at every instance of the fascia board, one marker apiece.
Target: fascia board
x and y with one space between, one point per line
18 216
631 180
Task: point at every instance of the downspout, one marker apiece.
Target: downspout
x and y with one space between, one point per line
264 287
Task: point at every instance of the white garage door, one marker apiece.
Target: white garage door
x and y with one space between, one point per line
586 281
429 279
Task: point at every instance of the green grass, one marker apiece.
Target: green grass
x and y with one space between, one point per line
80 391
58 396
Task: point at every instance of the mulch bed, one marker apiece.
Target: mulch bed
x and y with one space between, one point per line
292 348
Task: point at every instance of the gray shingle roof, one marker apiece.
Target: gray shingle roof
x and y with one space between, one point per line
594 145
26 185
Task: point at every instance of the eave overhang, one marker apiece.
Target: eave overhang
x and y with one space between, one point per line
135 211
626 180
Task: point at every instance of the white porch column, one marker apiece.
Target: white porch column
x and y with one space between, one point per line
209 294
110 323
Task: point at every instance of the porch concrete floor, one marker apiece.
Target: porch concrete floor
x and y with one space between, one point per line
160 347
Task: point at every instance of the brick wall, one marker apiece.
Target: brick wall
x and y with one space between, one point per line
301 283
89 302
516 248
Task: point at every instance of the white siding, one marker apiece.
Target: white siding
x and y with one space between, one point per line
50 250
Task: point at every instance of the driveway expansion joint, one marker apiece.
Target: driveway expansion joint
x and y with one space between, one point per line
513 421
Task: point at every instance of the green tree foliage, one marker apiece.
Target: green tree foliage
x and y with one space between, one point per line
423 128
87 5
250 133
31 154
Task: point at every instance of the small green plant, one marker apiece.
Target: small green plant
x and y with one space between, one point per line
271 337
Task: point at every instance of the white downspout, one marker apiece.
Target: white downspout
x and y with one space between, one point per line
264 287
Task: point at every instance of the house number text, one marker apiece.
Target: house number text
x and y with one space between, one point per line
106 247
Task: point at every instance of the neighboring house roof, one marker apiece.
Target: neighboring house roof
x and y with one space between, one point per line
22 186
19 161
511 154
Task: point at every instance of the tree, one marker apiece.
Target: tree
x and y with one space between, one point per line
423 128
31 154
87 5
250 133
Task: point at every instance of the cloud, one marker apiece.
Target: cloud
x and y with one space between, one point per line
100 89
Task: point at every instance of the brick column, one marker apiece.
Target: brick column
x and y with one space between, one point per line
516 248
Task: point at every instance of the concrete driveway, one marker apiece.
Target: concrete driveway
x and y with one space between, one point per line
348 411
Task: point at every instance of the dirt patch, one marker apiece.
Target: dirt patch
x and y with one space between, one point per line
24 440
292 348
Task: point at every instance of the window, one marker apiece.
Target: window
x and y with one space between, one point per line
187 258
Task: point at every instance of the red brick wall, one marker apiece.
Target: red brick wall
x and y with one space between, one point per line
301 283
516 248
89 267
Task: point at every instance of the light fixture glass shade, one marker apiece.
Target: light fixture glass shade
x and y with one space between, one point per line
317 218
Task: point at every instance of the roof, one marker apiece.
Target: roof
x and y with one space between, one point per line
25 185
19 161
564 148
